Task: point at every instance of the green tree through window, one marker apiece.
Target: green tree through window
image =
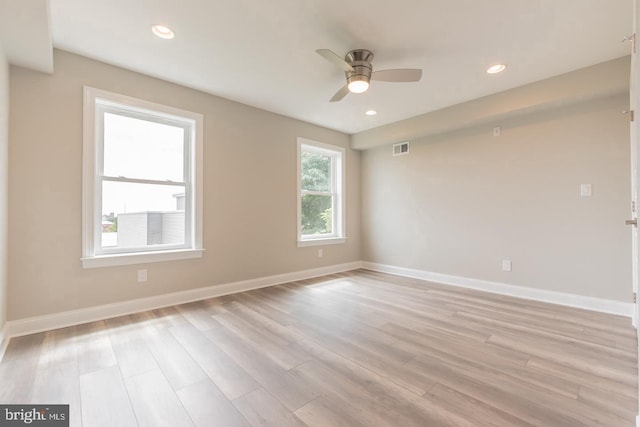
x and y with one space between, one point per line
320 195
316 208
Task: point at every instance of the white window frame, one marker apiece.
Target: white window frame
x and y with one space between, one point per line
96 103
337 191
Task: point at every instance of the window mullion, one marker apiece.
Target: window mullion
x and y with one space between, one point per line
141 181
316 193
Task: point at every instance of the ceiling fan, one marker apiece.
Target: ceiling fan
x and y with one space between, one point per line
359 71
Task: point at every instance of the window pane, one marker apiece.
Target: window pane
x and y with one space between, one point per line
316 214
136 148
316 171
138 215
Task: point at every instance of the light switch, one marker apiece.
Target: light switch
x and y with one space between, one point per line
142 275
506 265
585 190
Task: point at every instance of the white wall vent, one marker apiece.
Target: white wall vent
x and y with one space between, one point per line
401 148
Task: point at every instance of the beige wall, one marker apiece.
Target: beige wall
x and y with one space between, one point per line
249 174
462 202
4 177
457 204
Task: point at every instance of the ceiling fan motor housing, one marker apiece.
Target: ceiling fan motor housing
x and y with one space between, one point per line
360 60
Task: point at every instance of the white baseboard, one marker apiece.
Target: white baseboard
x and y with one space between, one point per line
4 340
572 300
15 328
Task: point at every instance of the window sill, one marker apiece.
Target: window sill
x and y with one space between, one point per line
321 241
139 258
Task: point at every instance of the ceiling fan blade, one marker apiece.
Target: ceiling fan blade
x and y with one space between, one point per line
334 59
398 75
344 90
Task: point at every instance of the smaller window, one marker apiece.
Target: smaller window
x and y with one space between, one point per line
320 193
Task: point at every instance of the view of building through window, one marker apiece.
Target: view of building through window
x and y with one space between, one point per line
143 191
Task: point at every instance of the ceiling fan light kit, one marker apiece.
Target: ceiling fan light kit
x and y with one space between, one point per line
359 71
357 84
358 79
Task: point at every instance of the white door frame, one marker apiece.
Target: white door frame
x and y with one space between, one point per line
634 103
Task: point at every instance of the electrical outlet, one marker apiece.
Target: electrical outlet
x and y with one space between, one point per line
142 275
506 265
320 253
497 131
585 190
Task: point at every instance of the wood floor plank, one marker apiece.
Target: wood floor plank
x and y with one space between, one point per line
321 413
531 404
582 377
105 401
342 397
536 313
154 401
374 406
472 409
484 357
394 311
232 380
207 406
604 367
258 316
94 347
175 362
19 368
504 399
134 358
425 338
264 306
263 410
623 342
59 383
287 355
122 328
613 403
288 389
575 340
58 347
198 314
167 317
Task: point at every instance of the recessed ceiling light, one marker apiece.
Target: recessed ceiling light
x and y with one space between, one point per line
371 113
162 31
498 68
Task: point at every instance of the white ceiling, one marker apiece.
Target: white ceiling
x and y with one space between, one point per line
261 52
25 34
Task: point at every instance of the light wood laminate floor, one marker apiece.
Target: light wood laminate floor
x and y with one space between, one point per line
353 349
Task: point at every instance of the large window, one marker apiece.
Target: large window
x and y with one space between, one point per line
320 193
141 181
